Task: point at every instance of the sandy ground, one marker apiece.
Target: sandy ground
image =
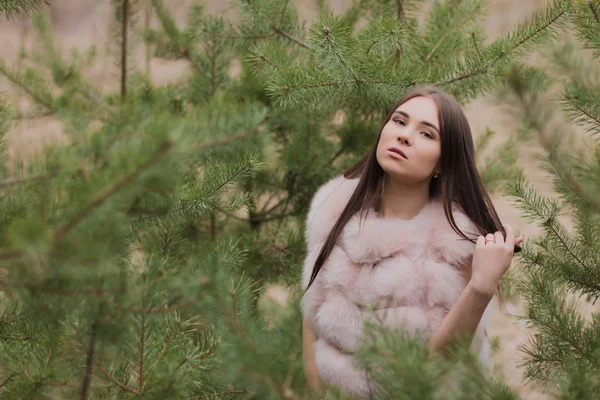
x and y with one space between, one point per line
81 23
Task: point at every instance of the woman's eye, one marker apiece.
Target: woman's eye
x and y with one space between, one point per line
401 122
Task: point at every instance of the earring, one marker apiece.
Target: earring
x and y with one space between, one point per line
436 175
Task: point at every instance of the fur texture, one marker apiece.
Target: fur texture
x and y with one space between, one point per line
399 273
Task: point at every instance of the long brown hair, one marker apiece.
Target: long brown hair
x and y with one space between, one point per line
459 180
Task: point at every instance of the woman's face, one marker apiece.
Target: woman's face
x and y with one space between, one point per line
414 130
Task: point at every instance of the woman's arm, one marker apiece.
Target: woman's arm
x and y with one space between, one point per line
462 320
492 257
311 373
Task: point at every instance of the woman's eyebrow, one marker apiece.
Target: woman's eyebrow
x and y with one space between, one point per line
423 122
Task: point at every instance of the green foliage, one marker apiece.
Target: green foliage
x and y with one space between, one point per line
561 267
133 258
13 8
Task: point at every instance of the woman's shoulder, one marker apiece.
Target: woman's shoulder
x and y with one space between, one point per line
326 206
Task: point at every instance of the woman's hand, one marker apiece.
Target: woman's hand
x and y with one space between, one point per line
493 255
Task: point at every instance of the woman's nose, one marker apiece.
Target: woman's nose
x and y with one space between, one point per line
405 136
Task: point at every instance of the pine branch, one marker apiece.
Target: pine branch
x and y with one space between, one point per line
173 332
65 74
212 51
531 109
556 321
29 117
231 139
594 11
530 36
245 168
467 18
124 26
249 37
234 322
90 355
402 18
475 45
40 95
159 310
217 394
277 27
16 181
595 127
170 28
142 345
581 96
542 209
147 22
101 197
43 288
16 8
115 380
8 379
586 23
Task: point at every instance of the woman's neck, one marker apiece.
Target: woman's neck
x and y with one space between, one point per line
401 200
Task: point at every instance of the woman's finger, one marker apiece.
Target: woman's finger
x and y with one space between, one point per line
510 235
480 241
499 237
490 238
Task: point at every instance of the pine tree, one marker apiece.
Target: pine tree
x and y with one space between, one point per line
12 8
561 274
133 258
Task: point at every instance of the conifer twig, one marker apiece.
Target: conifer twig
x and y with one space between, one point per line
277 28
227 36
475 45
124 23
230 139
101 197
235 323
208 352
48 103
87 378
33 116
15 181
147 22
10 377
282 15
447 34
168 340
547 145
590 116
173 32
402 19
159 310
142 345
594 11
12 8
114 380
227 392
63 292
242 169
489 65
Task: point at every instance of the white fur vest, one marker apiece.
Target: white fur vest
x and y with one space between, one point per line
405 270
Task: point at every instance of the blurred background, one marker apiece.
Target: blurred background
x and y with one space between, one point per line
78 24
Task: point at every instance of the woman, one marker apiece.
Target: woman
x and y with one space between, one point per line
407 237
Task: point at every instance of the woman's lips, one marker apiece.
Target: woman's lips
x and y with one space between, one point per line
395 155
